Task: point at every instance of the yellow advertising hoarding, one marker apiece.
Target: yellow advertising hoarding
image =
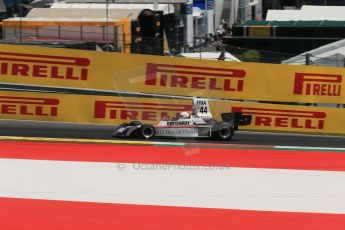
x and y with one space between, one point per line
171 75
116 109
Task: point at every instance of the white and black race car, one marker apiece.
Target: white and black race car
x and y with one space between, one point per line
200 124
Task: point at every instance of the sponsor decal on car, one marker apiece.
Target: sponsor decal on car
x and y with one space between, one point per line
179 132
178 122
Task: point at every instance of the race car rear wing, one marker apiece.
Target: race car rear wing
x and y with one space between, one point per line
238 118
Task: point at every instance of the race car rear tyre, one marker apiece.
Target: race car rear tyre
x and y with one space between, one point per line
224 132
147 131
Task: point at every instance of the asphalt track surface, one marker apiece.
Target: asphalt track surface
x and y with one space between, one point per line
103 132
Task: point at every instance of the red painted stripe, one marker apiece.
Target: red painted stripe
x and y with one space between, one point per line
279 112
197 73
189 70
28 100
75 61
258 158
64 215
156 106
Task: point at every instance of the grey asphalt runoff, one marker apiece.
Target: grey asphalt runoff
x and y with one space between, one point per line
103 132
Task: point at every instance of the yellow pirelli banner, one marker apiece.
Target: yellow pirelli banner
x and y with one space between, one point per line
170 75
116 109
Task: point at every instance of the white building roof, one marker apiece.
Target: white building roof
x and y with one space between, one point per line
308 13
83 13
283 15
209 56
166 8
60 19
329 55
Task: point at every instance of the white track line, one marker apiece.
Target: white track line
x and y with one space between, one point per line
310 148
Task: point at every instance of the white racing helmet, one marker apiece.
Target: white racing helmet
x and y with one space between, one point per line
184 115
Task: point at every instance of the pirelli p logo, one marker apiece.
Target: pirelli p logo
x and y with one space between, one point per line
43 66
29 106
195 77
137 110
317 84
281 118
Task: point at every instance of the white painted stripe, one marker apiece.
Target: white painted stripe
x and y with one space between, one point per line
228 188
310 148
169 143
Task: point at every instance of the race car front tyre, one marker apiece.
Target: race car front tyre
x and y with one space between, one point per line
224 132
147 131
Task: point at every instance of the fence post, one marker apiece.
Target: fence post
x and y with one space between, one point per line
307 59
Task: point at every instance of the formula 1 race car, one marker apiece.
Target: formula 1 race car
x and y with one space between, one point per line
200 124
